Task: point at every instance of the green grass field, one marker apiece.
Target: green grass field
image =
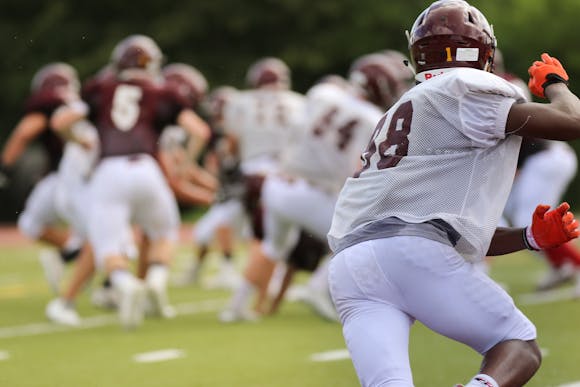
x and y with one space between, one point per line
276 352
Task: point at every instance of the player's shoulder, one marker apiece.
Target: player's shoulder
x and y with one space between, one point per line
326 91
464 80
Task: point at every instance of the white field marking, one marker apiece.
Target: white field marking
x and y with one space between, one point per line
35 329
547 296
544 351
338 354
157 356
4 355
573 384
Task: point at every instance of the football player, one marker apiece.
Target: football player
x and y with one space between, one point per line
225 220
425 205
53 86
261 121
128 186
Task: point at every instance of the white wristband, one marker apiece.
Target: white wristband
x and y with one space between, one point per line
531 240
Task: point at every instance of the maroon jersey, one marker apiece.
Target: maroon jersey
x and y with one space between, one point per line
46 102
130 114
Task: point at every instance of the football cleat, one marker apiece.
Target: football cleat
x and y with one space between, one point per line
131 294
104 297
156 283
229 315
63 313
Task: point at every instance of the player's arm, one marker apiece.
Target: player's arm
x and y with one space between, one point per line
198 130
63 119
557 120
29 128
549 228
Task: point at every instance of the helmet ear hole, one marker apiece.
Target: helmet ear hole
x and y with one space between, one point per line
470 18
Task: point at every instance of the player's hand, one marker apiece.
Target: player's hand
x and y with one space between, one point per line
544 73
553 228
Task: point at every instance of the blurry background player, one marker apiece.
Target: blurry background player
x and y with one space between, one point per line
545 169
190 183
261 121
324 150
128 186
53 86
226 220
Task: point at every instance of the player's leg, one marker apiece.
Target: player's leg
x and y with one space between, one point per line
62 309
39 221
448 295
203 234
157 214
111 194
375 330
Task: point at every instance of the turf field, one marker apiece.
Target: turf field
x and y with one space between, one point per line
292 349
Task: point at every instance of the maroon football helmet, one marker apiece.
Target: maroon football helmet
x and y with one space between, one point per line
187 80
60 77
137 52
376 77
451 33
268 72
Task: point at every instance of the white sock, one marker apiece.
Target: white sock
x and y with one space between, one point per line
242 295
482 380
157 274
120 277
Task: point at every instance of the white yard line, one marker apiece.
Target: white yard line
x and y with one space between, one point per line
573 384
35 329
547 296
4 355
157 356
338 354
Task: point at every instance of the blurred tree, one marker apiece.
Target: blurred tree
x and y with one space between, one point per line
222 37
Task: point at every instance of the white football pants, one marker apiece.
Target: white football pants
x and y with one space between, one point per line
380 287
124 191
289 206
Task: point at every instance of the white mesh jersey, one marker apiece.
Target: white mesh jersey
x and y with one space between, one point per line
440 152
336 129
263 120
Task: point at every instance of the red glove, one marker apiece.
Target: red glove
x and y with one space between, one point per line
552 228
545 73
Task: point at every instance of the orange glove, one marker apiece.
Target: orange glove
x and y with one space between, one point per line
545 73
551 228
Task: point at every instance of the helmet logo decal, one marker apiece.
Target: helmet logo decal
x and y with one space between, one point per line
448 51
467 54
